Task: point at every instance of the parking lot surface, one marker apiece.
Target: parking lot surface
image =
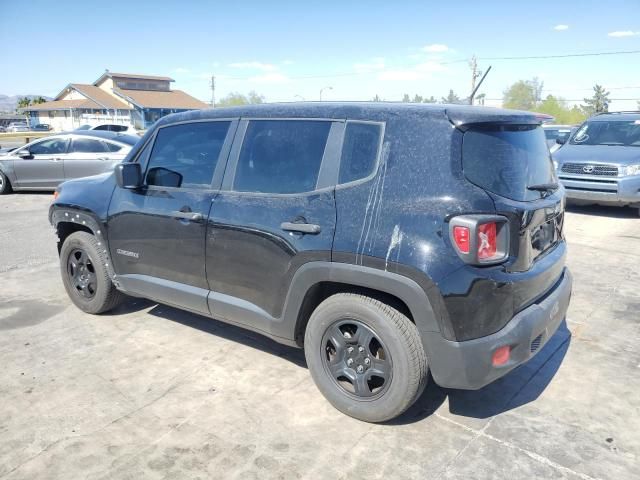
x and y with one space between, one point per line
153 392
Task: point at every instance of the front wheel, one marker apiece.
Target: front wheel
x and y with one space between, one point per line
84 274
365 357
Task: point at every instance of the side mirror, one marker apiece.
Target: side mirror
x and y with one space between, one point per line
562 138
129 175
24 153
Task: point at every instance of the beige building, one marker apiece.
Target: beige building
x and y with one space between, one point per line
121 98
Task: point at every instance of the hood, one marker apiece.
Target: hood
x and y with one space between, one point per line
597 154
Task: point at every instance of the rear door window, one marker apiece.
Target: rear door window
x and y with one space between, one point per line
359 151
281 156
87 145
507 159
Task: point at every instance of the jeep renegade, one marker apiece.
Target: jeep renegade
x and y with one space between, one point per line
388 240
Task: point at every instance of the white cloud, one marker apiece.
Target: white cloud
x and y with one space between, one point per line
181 70
623 33
273 77
265 67
435 48
287 62
375 64
561 27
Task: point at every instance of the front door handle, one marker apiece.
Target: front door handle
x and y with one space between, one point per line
193 216
310 228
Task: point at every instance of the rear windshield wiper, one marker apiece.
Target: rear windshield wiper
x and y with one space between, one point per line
544 187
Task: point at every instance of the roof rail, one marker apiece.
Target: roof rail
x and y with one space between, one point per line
621 112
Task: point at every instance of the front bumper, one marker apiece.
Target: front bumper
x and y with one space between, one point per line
602 190
467 365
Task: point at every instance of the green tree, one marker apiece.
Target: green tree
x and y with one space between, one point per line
598 103
417 98
521 96
37 100
234 99
558 108
376 98
451 98
406 98
431 99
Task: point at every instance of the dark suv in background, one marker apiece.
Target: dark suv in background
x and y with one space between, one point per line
388 240
600 164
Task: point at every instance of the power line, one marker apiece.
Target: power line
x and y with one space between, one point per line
541 57
450 62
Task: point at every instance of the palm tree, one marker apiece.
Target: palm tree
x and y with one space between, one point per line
24 102
38 99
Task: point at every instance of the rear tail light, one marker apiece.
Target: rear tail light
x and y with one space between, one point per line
461 238
480 239
487 241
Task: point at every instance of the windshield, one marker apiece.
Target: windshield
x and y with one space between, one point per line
608 133
507 160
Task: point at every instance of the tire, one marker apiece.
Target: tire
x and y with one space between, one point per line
5 184
390 341
85 277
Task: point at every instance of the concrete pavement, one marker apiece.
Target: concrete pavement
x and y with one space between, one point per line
153 392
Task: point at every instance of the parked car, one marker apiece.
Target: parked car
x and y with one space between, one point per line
47 162
41 127
17 127
110 127
3 129
369 234
553 132
601 162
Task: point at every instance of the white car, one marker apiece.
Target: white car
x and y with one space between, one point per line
18 127
111 127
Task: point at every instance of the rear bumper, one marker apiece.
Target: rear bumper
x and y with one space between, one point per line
603 190
467 365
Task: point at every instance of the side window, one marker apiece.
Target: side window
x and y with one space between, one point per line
186 155
281 156
112 147
53 146
359 151
87 145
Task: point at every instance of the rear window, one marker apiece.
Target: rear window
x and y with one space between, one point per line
507 159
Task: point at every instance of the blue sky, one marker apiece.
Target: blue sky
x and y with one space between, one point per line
360 49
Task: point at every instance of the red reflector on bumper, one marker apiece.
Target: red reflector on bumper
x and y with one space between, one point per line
501 356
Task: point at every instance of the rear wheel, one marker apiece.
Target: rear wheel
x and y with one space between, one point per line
85 276
5 184
365 357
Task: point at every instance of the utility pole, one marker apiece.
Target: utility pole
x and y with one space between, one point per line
473 63
213 91
475 74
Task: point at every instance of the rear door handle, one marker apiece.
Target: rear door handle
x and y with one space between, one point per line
194 216
310 228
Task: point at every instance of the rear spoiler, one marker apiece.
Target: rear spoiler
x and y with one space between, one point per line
468 117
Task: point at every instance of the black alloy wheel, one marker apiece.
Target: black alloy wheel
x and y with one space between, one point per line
357 359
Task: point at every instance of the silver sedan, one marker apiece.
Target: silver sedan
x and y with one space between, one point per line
47 162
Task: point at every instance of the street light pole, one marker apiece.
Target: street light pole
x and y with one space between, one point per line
323 89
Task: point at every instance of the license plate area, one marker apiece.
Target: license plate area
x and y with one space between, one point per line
547 234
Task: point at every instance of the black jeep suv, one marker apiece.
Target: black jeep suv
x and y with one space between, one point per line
388 240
